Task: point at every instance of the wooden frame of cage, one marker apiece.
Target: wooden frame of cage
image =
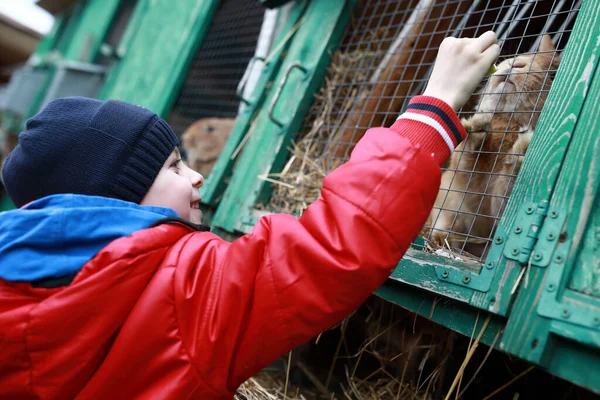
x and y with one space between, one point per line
539 308
216 182
160 40
76 36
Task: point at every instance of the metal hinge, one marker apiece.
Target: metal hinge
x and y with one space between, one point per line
535 234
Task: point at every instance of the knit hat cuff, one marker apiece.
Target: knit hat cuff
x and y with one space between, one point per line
149 154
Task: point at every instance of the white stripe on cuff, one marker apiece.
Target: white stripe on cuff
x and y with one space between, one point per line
432 123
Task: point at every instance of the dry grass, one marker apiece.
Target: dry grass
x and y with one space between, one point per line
410 359
299 183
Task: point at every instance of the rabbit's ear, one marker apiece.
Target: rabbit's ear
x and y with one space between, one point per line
546 44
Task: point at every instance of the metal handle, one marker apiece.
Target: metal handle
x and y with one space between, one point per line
242 85
280 88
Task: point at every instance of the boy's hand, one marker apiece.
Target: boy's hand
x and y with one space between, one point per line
460 66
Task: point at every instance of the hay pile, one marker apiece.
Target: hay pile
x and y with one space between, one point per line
383 352
299 183
397 357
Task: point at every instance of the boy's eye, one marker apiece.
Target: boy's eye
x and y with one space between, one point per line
176 164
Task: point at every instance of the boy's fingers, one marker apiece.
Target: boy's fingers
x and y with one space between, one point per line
485 41
491 54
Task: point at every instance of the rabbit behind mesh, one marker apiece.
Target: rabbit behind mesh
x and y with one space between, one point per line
204 140
482 171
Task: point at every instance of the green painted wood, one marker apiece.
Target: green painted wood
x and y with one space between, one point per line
578 190
72 25
216 182
68 40
555 319
464 282
134 24
6 203
94 22
573 362
48 42
539 174
452 314
161 43
299 77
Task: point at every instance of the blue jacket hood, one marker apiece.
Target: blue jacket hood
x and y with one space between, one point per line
56 235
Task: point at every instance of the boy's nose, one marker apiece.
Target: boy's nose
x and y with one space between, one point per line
197 179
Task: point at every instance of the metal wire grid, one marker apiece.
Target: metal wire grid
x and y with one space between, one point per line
366 88
209 89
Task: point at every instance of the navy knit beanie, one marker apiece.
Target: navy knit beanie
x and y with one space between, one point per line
91 147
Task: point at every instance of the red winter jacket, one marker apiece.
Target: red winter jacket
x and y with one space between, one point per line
172 313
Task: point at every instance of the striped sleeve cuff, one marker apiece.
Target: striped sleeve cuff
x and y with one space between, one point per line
432 124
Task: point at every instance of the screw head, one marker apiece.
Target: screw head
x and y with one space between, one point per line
566 313
518 229
596 321
445 274
551 287
529 210
515 251
558 259
499 240
551 236
466 279
490 264
553 214
537 257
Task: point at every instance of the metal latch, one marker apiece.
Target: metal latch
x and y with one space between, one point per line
535 234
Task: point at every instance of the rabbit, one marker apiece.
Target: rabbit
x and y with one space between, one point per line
203 142
482 171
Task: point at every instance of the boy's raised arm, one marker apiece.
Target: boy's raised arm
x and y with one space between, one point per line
242 305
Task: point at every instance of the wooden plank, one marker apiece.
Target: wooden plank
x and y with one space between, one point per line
160 46
565 122
452 314
547 151
578 193
216 182
95 20
299 77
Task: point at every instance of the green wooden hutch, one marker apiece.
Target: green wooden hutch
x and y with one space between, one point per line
538 286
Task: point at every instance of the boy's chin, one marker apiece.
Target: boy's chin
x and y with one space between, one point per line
195 216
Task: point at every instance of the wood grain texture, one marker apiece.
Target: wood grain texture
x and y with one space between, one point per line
266 150
563 168
552 137
161 41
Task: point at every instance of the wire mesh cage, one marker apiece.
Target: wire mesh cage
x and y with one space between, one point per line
385 59
207 105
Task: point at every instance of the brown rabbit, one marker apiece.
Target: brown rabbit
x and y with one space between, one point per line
482 170
204 140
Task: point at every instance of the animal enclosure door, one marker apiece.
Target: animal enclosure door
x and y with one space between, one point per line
555 316
384 58
509 193
277 30
302 70
206 107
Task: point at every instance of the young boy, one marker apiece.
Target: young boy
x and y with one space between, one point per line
106 291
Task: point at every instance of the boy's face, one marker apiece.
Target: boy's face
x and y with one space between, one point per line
176 186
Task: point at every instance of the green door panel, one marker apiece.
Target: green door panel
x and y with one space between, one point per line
160 41
301 73
555 318
93 24
215 184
